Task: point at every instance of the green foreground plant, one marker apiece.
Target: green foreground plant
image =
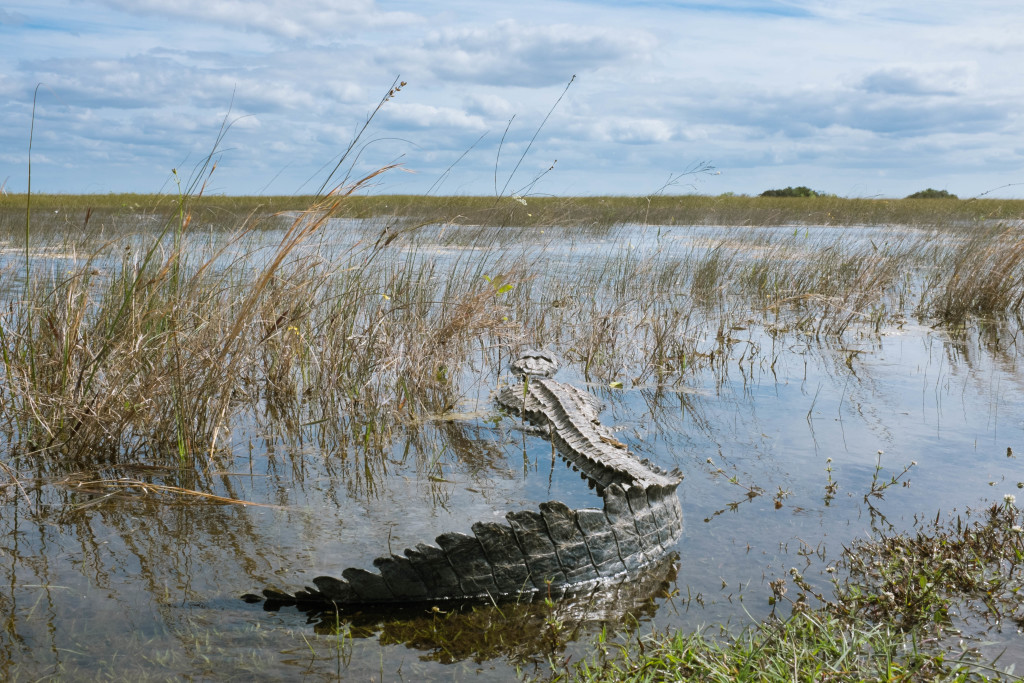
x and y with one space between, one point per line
809 646
891 618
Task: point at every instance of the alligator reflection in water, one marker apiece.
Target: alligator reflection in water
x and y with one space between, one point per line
550 552
525 631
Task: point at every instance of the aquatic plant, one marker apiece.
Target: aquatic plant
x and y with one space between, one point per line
890 616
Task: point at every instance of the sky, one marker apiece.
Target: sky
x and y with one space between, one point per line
534 97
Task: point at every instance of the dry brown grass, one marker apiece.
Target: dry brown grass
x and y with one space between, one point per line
983 276
156 348
147 354
116 212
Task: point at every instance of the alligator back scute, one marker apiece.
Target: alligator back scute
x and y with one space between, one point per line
467 558
538 548
570 545
334 589
370 587
511 573
400 576
432 564
646 524
616 509
600 539
668 514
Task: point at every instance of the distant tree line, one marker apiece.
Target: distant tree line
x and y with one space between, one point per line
803 191
932 194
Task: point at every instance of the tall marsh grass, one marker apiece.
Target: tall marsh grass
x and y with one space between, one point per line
982 276
155 345
147 352
226 212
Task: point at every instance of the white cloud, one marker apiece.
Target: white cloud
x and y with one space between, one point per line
416 115
515 53
489 105
633 131
933 79
290 19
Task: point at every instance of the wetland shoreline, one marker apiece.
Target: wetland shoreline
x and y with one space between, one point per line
571 212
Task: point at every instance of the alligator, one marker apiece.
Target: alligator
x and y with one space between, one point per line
554 551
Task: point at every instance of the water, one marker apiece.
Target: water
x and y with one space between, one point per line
140 584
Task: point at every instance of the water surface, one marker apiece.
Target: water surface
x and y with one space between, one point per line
139 583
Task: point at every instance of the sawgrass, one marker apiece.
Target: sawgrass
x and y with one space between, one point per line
226 212
156 343
133 353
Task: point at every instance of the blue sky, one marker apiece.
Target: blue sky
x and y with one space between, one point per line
860 99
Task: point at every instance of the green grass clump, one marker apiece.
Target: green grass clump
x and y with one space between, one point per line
809 646
889 618
921 580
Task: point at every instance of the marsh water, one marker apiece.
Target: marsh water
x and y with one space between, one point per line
132 583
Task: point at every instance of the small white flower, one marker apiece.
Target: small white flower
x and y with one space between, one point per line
1016 529
913 463
1010 499
881 452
